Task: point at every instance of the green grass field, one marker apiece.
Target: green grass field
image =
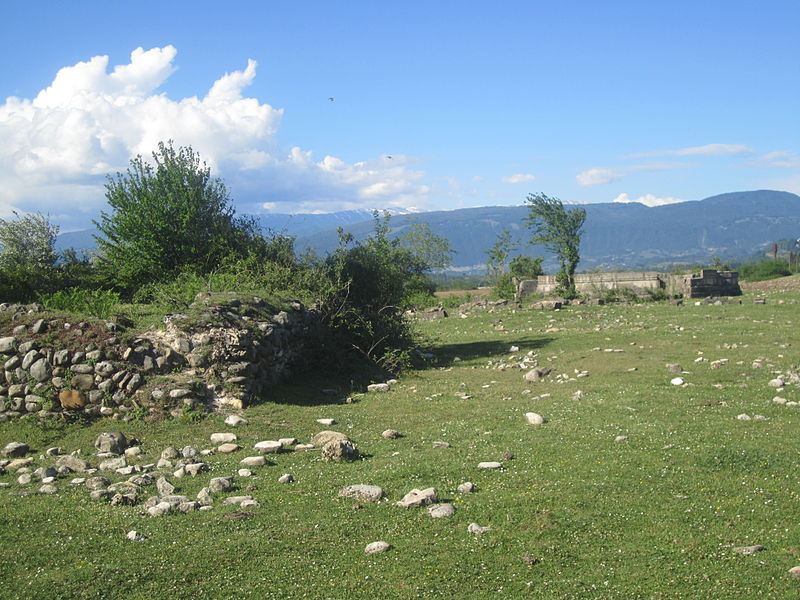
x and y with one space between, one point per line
574 513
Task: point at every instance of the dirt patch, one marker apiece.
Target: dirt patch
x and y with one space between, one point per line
781 284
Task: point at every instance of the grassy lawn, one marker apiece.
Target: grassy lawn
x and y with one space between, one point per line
574 513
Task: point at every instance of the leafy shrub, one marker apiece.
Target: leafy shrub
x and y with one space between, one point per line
766 269
97 303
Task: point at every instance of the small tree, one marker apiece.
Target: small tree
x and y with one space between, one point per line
167 217
497 256
28 241
558 230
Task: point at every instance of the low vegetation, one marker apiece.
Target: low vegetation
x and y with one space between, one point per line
633 487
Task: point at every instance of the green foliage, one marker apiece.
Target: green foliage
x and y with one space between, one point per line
28 241
504 287
168 217
526 267
97 303
497 255
558 230
427 247
766 269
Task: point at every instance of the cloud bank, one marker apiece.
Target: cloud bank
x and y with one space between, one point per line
519 178
597 176
58 147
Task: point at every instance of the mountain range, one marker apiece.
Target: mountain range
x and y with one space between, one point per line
731 226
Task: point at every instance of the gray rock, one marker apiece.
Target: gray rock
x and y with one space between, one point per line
24 479
364 493
674 368
135 536
189 452
326 421
16 449
795 572
380 547
268 447
418 497
220 484
253 461
466 488
8 345
237 500
111 441
73 463
438 511
378 387
195 469
204 497
228 448
441 444
337 451
234 420
748 550
533 418
222 438
286 442
40 370
97 483
164 487
323 437
476 529
112 464
390 434
490 465
48 488
537 374
101 494
286 478
169 453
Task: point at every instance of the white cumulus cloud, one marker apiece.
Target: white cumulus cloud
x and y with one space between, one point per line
519 178
597 176
59 146
647 200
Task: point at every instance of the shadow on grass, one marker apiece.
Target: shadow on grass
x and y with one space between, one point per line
444 355
323 388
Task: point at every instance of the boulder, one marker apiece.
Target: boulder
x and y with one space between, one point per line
111 441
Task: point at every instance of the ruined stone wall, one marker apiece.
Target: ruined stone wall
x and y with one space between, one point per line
230 353
708 282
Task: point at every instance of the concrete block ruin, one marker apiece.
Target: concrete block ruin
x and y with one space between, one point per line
708 282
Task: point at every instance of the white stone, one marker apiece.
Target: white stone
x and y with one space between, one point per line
376 547
418 497
677 381
253 461
490 465
743 417
234 420
378 387
268 447
135 536
244 473
286 478
533 418
326 421
438 511
476 529
223 438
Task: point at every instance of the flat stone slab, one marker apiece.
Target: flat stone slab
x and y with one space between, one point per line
253 461
376 548
268 447
490 465
418 498
222 438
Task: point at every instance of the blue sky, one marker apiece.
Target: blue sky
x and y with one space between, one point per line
436 105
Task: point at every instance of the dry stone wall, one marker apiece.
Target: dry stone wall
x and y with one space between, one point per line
223 353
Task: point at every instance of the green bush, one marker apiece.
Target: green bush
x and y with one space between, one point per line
766 269
97 303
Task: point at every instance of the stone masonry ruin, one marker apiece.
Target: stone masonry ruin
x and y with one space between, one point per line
227 351
708 282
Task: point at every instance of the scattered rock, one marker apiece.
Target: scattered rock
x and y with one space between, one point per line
677 381
490 465
441 444
326 421
135 536
418 497
365 493
113 442
795 572
533 418
476 529
537 374
16 449
253 461
748 550
228 448
743 417
466 488
220 484
390 434
378 387
222 438
621 438
674 368
377 548
323 437
286 478
234 420
438 511
268 447
164 487
338 450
